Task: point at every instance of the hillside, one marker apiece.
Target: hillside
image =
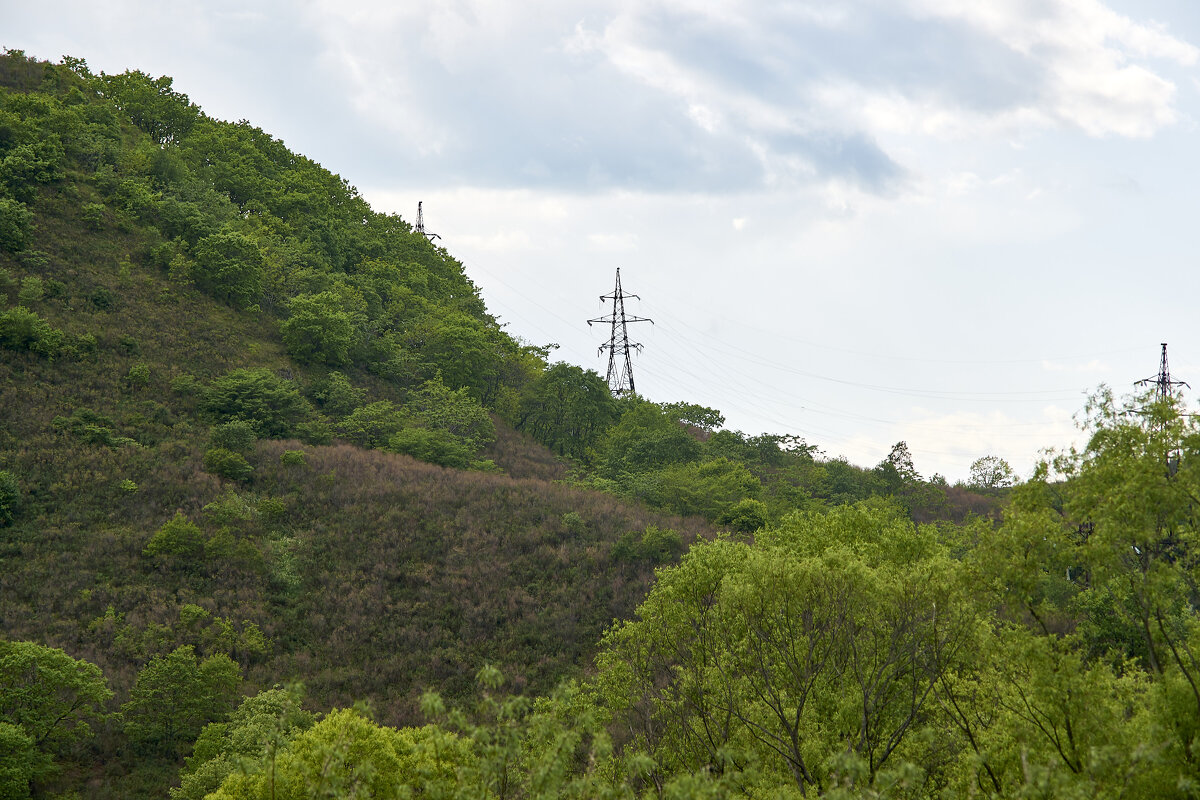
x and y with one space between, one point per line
368 575
257 434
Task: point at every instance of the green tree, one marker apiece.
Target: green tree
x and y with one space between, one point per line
273 406
646 438
53 698
707 489
229 266
18 762
437 407
322 328
991 473
822 641
175 695
567 408
179 537
260 728
372 425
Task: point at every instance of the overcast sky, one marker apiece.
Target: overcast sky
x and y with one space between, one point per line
860 222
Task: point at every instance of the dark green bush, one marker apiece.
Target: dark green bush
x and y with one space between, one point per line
179 537
436 447
236 435
229 266
272 405
292 458
22 329
227 464
10 497
15 220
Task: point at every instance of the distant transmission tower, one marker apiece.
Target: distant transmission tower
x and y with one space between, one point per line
1163 385
421 223
620 383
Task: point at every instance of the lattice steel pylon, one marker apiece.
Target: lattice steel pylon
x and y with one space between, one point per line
420 228
1164 387
620 381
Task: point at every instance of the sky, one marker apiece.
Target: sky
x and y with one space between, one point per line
937 221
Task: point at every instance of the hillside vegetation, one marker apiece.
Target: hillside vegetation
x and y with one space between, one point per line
284 512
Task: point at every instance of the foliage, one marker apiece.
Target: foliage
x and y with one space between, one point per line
372 425
436 407
236 435
990 473
22 329
322 328
178 537
227 464
18 762
272 406
567 408
433 446
176 695
783 655
10 497
260 727
228 265
53 698
15 222
336 395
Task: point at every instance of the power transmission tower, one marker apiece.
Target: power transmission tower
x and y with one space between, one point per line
1163 385
421 223
622 383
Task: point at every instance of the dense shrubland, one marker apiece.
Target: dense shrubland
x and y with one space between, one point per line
257 435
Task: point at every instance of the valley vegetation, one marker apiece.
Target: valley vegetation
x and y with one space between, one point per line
285 512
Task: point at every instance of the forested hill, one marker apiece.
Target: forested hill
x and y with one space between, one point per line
243 416
256 433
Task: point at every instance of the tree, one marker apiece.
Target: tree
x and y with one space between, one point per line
53 698
322 328
437 407
646 438
152 104
229 266
175 695
261 727
991 473
567 408
273 406
820 643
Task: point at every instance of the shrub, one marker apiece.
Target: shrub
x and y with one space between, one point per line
10 497
292 458
314 431
139 375
746 515
229 266
321 329
179 537
236 435
93 216
227 464
372 425
15 219
33 290
128 487
22 329
436 447
336 395
272 405
91 427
